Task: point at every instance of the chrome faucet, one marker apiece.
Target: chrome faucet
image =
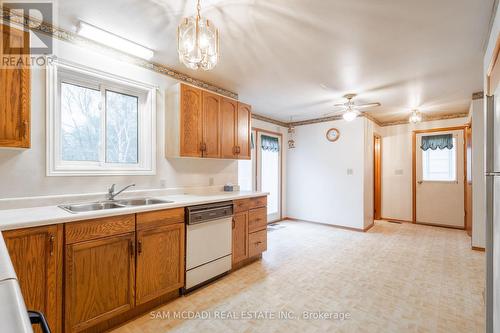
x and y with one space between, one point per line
112 194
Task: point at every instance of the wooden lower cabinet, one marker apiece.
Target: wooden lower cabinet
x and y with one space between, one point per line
36 254
240 237
160 261
99 280
249 229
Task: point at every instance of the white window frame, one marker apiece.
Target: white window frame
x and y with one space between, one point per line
63 71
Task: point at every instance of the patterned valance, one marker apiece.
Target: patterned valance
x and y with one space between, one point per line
269 143
442 141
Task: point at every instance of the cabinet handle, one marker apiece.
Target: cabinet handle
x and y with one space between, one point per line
51 245
258 243
233 224
139 247
131 248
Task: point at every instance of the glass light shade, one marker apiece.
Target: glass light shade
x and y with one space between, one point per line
415 117
198 43
291 144
350 115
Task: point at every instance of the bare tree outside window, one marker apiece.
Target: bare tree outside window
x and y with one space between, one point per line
80 123
121 128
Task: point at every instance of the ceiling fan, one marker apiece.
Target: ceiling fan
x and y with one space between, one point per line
351 110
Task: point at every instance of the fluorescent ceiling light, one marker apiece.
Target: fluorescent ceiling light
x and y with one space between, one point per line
109 39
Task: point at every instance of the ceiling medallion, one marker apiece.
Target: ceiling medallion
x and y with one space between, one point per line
198 42
415 117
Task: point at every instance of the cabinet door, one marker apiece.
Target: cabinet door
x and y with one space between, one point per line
240 237
36 254
190 122
228 112
14 92
243 131
160 261
210 120
99 280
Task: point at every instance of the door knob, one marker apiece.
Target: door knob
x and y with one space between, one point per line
420 182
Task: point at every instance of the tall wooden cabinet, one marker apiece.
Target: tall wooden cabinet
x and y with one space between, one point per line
210 146
228 114
14 91
36 254
190 122
243 131
204 124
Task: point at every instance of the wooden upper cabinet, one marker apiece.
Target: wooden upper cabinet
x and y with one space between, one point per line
211 125
36 254
14 91
99 280
200 123
243 131
228 113
160 261
240 237
191 130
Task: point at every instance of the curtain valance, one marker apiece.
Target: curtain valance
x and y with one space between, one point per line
269 143
434 142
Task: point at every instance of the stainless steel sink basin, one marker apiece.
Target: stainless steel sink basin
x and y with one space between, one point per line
142 202
93 206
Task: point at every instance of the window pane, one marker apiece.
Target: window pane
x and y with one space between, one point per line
80 123
270 179
439 164
121 128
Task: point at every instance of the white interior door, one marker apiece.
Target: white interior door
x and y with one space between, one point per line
269 175
440 182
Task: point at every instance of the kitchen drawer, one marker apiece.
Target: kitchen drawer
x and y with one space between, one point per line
98 228
257 219
257 243
159 218
257 202
241 205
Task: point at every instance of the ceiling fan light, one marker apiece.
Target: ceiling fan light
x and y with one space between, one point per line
415 117
349 115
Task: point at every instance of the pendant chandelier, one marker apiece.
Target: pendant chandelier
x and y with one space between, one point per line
198 42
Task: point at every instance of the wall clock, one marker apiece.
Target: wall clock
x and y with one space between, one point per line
332 134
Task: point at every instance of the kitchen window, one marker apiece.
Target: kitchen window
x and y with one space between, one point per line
98 123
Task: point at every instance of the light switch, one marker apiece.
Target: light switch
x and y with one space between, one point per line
398 172
350 172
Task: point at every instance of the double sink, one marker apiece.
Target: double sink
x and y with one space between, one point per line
111 204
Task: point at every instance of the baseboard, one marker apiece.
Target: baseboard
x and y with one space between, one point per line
330 225
441 225
395 220
478 248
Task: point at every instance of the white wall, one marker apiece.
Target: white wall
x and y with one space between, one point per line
478 179
22 172
397 166
319 188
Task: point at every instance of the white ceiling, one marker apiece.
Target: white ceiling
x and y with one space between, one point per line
296 58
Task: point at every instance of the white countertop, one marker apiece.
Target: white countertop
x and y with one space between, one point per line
46 215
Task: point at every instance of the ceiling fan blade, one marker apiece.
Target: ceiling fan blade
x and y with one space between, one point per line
365 106
340 105
333 113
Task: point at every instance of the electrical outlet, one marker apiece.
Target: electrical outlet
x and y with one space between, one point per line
211 181
163 183
350 172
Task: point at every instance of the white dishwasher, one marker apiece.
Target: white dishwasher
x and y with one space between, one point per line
208 243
